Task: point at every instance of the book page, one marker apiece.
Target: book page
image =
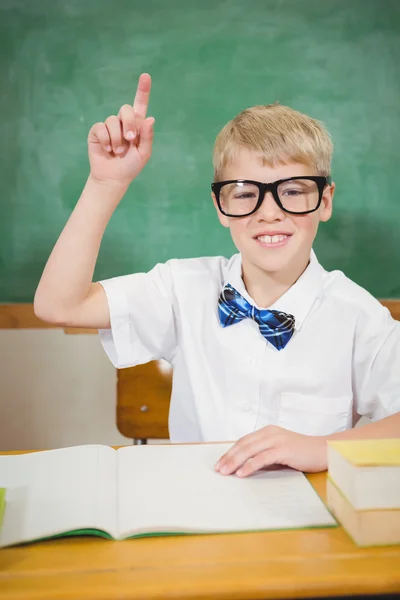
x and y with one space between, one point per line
56 491
175 489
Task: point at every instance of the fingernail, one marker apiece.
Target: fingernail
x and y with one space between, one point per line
240 472
224 470
119 150
130 135
108 148
217 465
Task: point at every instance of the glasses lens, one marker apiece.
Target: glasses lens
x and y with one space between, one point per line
299 195
238 198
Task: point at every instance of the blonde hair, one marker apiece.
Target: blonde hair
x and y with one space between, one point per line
278 135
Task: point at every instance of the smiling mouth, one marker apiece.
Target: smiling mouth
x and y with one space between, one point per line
273 240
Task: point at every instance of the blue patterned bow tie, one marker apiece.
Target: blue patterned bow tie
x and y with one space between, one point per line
277 327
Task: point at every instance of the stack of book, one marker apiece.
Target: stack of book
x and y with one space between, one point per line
363 489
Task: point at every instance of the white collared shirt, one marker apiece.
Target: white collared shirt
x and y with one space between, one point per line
342 362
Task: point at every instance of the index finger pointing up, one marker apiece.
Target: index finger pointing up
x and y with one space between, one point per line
142 96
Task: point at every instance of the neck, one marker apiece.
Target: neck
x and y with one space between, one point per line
264 287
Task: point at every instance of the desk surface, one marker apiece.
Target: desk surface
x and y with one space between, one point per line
274 564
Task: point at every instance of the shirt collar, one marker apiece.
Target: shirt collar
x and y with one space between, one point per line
297 301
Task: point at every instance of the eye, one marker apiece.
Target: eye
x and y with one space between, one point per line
292 192
245 195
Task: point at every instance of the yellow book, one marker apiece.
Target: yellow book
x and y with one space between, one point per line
365 453
365 527
367 472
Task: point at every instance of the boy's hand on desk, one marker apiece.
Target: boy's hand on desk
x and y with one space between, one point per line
120 147
273 445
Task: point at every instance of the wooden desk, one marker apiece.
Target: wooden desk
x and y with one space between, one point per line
281 564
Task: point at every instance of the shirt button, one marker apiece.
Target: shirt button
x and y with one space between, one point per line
246 407
251 360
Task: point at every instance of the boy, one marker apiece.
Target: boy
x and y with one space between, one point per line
268 348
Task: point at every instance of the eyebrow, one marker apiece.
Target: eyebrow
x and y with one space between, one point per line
242 180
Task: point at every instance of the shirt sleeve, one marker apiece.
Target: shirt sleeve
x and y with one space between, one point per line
377 367
142 318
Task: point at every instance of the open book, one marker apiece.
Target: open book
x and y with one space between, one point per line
147 490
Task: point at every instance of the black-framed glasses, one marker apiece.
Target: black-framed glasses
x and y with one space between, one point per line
294 195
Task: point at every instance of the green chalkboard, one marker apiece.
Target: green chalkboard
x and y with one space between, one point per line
66 64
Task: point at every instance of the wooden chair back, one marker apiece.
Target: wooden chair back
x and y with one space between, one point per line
143 398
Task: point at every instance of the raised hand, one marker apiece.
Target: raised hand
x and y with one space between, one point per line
120 147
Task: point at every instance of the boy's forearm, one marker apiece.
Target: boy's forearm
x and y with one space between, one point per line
385 428
68 275
389 427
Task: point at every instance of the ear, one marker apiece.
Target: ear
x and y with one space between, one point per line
222 218
325 210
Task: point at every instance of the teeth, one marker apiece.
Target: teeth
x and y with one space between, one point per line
272 239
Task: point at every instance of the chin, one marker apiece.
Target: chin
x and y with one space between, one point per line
271 264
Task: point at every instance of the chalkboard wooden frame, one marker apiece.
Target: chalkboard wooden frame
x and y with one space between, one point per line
22 316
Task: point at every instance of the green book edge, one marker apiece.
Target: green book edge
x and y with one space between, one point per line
103 534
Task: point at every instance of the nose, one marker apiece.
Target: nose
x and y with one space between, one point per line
269 210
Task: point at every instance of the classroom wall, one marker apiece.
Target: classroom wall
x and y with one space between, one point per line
55 390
